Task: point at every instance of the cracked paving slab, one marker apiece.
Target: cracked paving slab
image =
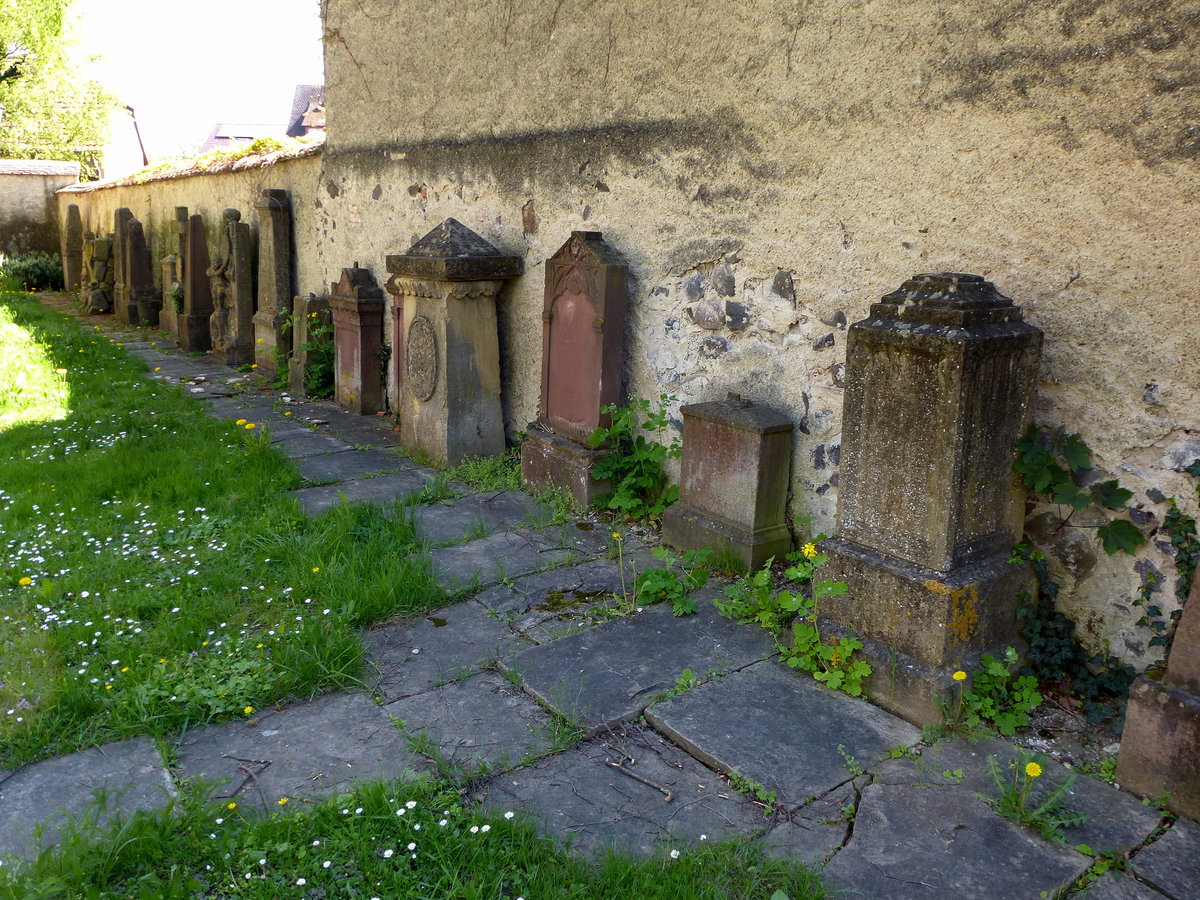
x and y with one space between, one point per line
578 796
610 673
1172 863
791 734
549 605
912 841
506 554
383 489
413 655
308 750
1116 820
476 515
49 792
815 831
348 465
482 721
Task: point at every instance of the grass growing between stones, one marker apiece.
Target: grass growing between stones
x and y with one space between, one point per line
400 840
154 574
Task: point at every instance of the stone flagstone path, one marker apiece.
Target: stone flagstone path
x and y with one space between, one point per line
576 721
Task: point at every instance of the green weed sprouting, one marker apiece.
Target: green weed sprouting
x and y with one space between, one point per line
996 696
640 488
1046 812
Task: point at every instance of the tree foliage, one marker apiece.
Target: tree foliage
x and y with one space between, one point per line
51 111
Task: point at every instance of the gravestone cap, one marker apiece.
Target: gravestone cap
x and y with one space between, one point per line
272 198
453 252
947 298
356 284
741 414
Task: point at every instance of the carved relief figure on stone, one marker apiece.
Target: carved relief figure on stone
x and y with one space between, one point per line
220 274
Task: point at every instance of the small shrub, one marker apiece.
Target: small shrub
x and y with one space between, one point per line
34 271
640 488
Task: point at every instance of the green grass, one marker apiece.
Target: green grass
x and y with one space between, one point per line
154 572
399 840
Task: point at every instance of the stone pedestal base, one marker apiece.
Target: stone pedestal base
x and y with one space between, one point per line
168 319
270 336
927 624
194 335
550 461
1160 747
357 339
688 529
148 304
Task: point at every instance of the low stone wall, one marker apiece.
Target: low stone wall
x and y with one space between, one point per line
28 210
232 185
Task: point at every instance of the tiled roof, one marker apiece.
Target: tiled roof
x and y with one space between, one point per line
39 167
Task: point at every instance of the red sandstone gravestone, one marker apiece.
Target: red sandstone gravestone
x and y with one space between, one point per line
1160 746
357 304
734 482
583 349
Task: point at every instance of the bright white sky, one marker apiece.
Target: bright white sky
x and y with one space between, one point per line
184 67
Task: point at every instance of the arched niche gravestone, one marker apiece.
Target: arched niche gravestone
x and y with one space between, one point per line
583 350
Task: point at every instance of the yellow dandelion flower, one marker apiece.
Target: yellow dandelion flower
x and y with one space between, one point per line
248 710
231 805
259 341
204 643
240 422
617 535
250 426
809 549
158 368
1033 770
288 413
254 365
282 801
25 581
108 687
124 668
960 675
316 569
162 659
258 647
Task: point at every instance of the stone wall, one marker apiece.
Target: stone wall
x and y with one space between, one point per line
770 168
152 200
28 211
767 170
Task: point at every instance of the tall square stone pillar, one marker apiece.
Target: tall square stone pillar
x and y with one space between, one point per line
734 482
168 316
1160 746
583 350
449 393
940 382
197 292
123 304
357 304
72 250
275 290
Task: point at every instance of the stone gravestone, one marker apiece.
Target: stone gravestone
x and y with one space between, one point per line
734 482
85 276
231 323
100 278
1160 746
275 291
583 350
171 302
72 250
197 291
940 382
357 304
306 311
449 390
124 306
139 281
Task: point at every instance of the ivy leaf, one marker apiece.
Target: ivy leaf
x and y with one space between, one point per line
1110 494
1070 495
1077 454
1120 536
1193 469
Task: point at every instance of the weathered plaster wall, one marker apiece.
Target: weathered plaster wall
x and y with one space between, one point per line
153 201
28 212
770 168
